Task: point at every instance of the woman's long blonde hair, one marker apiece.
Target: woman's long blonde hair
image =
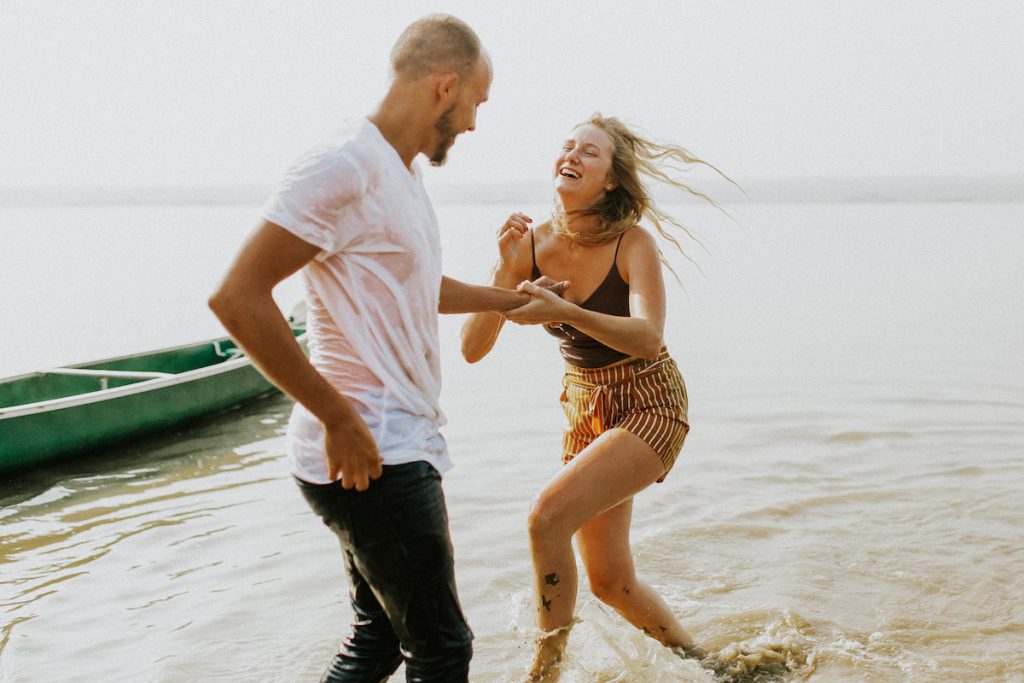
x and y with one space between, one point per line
634 158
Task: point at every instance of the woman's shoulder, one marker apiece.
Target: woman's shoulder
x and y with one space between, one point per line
537 236
638 252
637 239
542 235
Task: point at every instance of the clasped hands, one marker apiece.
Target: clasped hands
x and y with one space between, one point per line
546 304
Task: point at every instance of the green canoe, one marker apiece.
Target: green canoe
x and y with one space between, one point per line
62 412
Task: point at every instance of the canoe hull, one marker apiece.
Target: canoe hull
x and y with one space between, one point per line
52 430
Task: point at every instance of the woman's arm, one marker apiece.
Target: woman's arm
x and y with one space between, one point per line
480 330
638 335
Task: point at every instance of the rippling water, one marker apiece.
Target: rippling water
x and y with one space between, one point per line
847 507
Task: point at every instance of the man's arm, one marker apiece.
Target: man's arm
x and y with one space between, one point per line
461 297
245 306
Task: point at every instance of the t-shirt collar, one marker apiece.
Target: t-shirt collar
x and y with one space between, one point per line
413 170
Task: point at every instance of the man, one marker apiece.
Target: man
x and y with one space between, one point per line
354 215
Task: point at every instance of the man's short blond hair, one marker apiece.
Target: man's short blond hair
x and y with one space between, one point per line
437 41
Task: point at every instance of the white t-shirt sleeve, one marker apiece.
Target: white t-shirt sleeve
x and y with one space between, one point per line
311 200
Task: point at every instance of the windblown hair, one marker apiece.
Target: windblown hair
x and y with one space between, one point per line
634 159
436 41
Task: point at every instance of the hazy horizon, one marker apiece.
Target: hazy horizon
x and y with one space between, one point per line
754 190
150 93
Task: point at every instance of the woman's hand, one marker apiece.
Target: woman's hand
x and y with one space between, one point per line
544 282
546 306
510 239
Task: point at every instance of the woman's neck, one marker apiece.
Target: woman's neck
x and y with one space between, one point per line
576 220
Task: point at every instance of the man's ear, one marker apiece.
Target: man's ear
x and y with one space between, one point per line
446 84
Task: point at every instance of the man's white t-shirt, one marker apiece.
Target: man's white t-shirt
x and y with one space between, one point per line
372 294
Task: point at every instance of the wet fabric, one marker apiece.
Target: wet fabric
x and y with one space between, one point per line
371 294
398 557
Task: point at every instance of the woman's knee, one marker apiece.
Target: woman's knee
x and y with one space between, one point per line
612 586
545 519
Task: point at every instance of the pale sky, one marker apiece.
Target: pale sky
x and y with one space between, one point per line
214 92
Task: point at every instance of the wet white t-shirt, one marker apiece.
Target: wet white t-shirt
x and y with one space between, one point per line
372 294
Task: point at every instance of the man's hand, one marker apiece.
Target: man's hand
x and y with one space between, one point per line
351 454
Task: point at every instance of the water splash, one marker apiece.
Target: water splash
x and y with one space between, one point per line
783 650
757 662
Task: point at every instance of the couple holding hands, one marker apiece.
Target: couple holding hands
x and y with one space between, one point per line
364 440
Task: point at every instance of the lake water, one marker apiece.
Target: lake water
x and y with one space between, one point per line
849 496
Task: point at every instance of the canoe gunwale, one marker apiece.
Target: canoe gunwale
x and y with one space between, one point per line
111 374
237 363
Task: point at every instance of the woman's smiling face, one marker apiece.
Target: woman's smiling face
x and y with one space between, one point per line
583 165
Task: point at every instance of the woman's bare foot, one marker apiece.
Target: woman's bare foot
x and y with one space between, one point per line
548 657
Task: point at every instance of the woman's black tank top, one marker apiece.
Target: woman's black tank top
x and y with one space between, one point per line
611 297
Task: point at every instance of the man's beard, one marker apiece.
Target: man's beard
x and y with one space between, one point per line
444 127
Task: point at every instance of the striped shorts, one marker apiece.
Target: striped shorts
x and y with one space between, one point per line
645 397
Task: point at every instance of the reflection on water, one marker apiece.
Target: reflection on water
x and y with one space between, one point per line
797 556
129 528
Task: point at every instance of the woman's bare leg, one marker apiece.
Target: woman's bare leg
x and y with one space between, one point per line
610 471
604 547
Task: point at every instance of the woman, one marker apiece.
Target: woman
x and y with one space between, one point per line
624 399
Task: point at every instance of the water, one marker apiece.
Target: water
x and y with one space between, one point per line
847 502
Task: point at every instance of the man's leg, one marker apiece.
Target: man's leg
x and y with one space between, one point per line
370 653
405 553
396 542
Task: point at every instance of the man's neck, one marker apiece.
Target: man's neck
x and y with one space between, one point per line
401 123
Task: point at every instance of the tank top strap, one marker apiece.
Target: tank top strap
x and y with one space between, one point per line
615 259
533 253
